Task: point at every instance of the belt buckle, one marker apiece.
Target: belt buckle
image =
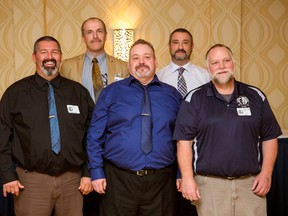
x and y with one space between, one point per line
141 172
231 177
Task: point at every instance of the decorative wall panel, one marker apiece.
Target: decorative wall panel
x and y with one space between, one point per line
257 32
264 52
7 63
226 26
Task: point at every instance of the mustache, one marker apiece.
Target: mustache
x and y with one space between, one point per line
95 40
223 71
142 65
180 50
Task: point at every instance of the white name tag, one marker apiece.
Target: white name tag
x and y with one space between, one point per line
73 109
244 111
117 78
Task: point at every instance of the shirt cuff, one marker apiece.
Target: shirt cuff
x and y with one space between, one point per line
97 174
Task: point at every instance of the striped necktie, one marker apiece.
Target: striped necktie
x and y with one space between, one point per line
181 83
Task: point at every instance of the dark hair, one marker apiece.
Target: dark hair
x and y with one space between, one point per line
183 30
45 38
142 41
93 18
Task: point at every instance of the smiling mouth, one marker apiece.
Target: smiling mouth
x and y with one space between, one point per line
49 64
222 72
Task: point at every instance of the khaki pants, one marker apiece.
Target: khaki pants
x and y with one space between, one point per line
42 193
223 197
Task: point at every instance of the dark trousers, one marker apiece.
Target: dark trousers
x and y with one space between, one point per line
130 195
91 204
184 207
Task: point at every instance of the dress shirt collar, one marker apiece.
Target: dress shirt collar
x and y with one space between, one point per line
41 82
175 67
155 81
101 58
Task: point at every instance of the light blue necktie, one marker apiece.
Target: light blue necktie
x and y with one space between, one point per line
146 136
54 125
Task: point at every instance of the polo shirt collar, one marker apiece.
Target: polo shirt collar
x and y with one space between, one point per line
212 91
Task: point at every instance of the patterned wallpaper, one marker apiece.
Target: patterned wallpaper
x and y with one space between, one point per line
257 32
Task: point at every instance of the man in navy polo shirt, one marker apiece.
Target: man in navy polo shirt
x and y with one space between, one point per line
230 123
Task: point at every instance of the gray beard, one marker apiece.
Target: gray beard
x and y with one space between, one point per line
49 72
221 82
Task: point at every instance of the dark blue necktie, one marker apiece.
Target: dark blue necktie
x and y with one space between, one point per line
54 125
146 137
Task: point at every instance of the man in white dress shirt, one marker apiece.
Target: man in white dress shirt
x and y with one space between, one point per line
184 76
181 73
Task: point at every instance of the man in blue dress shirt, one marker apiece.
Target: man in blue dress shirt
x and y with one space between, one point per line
134 182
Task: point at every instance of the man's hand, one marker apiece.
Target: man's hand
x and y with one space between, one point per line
99 185
178 184
85 185
12 187
190 190
261 184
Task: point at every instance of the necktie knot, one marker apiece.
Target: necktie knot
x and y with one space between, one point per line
181 70
94 60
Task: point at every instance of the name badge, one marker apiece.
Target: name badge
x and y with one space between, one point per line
118 78
244 111
73 109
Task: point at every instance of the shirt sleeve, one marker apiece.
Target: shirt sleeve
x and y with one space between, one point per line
96 137
90 104
7 168
270 128
186 122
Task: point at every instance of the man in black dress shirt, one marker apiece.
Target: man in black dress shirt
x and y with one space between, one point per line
45 180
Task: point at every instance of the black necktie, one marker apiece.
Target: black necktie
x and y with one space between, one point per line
181 84
54 124
146 137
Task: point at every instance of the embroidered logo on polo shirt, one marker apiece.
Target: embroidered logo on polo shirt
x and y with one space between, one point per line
243 103
73 109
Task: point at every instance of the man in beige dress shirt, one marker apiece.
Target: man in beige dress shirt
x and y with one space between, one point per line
79 68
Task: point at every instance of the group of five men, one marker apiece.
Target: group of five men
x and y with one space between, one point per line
121 142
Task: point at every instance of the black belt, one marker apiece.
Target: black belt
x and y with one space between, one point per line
229 177
143 172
